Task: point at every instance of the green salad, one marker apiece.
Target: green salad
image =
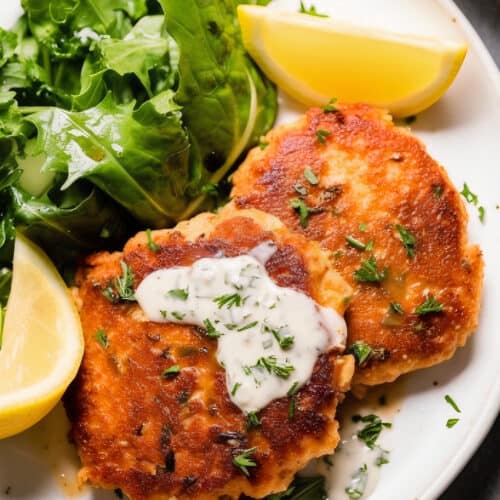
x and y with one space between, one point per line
121 114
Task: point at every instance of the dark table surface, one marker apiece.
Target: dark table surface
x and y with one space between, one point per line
480 480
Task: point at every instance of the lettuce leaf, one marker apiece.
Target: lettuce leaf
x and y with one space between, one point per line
226 102
138 157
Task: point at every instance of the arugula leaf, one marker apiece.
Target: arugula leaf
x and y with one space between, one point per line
227 103
138 157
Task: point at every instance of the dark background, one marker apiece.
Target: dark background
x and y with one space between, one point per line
480 480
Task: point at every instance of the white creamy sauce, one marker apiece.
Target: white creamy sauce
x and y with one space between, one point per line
269 337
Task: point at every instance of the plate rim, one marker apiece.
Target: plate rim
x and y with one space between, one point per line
491 408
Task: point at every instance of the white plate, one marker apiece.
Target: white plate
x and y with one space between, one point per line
462 132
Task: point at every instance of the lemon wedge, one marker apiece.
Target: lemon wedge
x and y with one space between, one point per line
42 341
314 59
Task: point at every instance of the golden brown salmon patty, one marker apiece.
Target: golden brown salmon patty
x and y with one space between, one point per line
176 438
352 175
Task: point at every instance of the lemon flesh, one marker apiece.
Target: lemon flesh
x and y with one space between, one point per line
314 59
42 341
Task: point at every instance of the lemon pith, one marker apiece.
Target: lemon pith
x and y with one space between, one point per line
314 59
42 341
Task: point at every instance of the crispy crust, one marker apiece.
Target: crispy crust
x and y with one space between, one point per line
374 173
161 439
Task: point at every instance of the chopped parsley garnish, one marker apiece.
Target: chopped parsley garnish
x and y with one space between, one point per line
369 246
353 242
431 305
300 189
452 403
397 307
271 364
151 244
310 176
330 107
473 199
292 403
363 227
211 331
263 144
302 209
210 189
310 11
102 338
248 326
382 458
469 195
171 371
361 351
371 431
163 313
178 315
368 272
409 241
179 293
245 460
321 135
229 300
252 419
125 282
451 422
235 388
284 341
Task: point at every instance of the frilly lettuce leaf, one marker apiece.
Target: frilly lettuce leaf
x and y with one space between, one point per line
138 157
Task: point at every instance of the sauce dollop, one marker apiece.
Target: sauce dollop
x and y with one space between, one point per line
269 337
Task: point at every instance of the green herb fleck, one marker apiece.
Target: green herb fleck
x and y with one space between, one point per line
358 484
397 307
330 107
469 195
321 135
110 293
229 300
263 145
163 313
300 189
310 11
245 460
363 227
211 331
451 422
235 388
409 241
151 244
368 272
252 420
481 212
302 209
382 458
452 403
431 305
361 351
179 293
171 371
353 242
178 315
248 326
102 338
310 176
125 283
284 341
371 431
271 364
